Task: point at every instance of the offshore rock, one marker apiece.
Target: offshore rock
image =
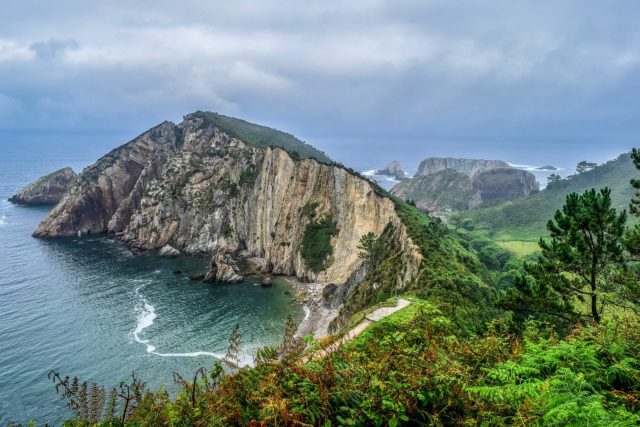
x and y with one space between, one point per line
223 269
168 251
45 190
393 169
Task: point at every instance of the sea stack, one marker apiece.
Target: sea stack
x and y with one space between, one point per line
393 169
46 190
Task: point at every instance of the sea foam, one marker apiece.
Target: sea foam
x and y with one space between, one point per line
146 316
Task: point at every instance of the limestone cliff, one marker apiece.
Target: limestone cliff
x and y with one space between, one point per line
469 167
195 188
45 190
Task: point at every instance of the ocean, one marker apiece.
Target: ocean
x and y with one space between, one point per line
88 307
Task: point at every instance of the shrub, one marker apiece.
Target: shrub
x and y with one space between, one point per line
316 243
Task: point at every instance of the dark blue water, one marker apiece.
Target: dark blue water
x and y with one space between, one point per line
90 308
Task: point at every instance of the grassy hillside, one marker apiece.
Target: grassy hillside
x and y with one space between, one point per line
524 220
261 136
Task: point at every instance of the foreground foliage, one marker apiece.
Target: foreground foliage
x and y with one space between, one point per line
412 369
453 357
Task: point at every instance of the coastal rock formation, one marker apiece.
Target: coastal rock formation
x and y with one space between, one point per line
196 188
469 167
168 251
504 184
45 190
223 269
445 184
394 170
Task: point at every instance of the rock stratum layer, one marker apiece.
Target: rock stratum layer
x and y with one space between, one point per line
469 167
195 188
45 190
444 184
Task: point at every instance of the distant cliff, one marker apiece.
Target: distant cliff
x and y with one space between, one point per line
195 188
443 184
469 167
45 190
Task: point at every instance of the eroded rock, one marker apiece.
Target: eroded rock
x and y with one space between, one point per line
48 189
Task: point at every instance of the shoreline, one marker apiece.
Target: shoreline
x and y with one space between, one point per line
317 316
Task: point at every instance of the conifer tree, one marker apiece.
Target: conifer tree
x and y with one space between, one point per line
635 201
579 263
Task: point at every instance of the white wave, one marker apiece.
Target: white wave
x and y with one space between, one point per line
146 316
369 172
192 354
157 271
532 168
307 312
3 220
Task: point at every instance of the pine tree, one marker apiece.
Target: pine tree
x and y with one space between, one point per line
579 262
553 180
585 166
635 201
366 245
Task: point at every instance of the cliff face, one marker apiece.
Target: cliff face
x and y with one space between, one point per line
45 190
469 167
195 188
505 184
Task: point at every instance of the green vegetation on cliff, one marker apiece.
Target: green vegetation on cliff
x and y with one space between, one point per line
261 136
316 243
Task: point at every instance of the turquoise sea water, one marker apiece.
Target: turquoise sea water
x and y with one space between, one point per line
88 307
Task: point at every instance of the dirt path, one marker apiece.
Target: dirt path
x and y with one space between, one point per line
371 318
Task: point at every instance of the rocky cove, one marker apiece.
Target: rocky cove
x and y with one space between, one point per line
194 189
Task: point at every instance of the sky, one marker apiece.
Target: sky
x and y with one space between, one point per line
533 82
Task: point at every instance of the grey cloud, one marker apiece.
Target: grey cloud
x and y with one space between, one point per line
421 70
53 48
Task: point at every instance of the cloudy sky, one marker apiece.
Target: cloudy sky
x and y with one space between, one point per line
525 81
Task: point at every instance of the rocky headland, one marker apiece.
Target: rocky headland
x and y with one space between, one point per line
192 188
46 190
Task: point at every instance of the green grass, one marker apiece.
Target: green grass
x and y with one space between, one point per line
525 219
518 247
261 136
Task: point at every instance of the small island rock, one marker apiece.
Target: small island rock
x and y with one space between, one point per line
48 189
394 170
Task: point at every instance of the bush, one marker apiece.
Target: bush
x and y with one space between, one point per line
316 243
